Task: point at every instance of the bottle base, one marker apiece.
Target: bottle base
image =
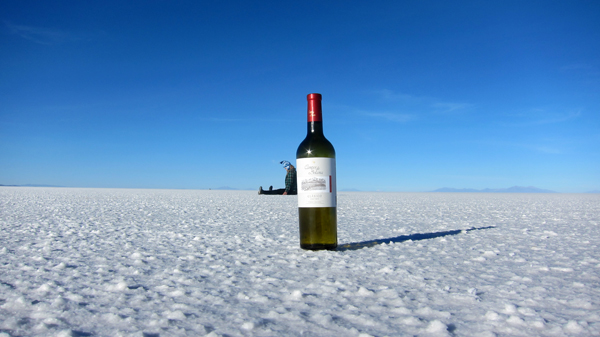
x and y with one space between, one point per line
318 246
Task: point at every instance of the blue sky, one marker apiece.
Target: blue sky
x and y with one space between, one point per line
417 95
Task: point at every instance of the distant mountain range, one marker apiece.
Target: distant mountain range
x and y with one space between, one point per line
514 189
31 185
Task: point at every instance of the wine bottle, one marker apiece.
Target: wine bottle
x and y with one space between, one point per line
315 167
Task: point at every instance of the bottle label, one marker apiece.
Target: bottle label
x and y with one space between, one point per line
316 182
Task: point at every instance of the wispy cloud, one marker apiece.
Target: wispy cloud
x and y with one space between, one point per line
541 148
580 69
425 104
544 149
577 67
225 120
560 117
390 95
42 35
541 117
445 107
389 116
546 146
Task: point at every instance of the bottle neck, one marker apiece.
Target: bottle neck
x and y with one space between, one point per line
314 128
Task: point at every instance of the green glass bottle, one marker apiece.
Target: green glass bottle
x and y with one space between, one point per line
317 200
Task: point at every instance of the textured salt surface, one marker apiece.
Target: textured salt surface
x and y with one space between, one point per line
102 262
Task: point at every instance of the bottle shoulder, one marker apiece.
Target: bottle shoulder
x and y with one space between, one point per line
315 146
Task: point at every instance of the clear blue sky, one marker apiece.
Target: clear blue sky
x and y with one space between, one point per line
417 95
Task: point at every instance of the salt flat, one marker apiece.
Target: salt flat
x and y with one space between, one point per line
112 262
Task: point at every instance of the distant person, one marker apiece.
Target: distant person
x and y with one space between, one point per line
290 182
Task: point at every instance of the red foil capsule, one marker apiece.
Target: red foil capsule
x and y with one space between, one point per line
314 108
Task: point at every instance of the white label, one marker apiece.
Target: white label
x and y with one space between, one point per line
316 182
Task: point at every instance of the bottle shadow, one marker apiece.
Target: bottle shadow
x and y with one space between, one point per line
402 238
